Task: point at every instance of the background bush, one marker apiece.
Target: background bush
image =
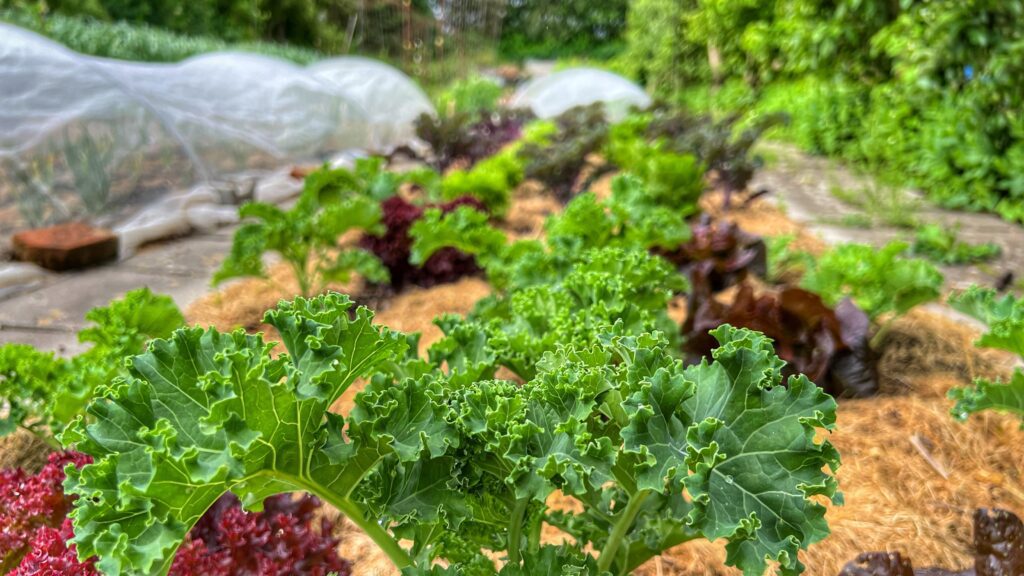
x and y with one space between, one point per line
140 42
328 26
927 92
545 29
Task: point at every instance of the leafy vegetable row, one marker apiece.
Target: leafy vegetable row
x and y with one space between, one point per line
439 453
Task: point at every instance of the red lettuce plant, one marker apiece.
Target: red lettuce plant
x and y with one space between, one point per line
29 503
998 551
829 345
286 538
720 252
461 138
228 541
49 554
393 248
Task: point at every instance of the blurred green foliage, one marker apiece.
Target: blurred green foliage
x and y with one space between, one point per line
327 26
470 95
925 92
139 41
545 29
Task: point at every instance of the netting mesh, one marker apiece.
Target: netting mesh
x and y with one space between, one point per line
85 136
549 96
388 99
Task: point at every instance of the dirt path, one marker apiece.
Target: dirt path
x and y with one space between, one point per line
806 188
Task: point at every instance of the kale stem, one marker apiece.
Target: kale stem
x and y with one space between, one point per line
534 538
622 525
378 534
302 277
880 335
515 531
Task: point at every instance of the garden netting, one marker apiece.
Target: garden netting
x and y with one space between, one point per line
549 96
87 137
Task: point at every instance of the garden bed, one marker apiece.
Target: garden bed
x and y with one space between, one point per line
605 355
911 475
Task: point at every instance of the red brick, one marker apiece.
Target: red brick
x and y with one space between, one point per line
66 246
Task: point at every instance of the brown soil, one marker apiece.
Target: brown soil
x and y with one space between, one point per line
911 475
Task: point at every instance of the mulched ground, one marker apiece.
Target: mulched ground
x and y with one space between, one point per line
911 475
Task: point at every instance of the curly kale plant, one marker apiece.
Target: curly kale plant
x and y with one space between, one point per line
306 236
1005 319
42 393
943 245
465 229
457 466
626 291
491 181
879 280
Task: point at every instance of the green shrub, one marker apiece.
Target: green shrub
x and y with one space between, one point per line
542 29
140 42
926 94
316 24
469 96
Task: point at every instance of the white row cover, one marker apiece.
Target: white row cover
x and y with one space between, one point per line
549 96
81 135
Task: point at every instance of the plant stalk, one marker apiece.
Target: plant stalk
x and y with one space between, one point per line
515 531
622 525
398 556
880 335
533 540
379 535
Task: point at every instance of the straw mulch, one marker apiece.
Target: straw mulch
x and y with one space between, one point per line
761 218
527 214
911 475
23 450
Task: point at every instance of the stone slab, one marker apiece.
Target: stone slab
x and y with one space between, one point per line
63 304
199 257
64 343
801 185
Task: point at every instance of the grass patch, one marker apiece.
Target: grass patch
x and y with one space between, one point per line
881 205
